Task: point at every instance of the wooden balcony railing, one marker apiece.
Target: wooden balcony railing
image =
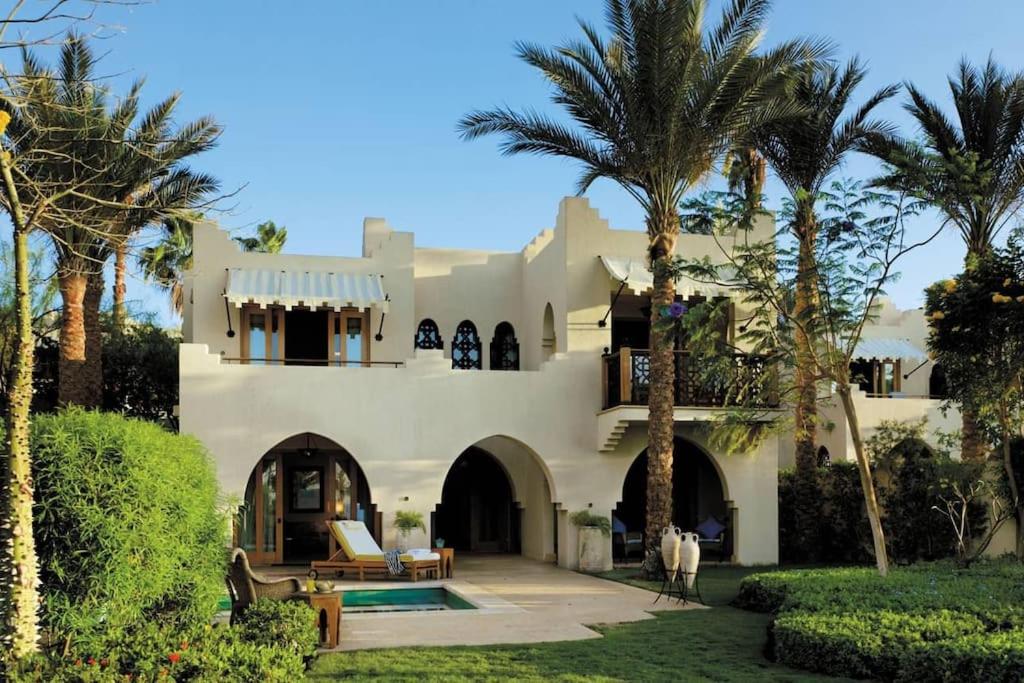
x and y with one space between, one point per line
627 379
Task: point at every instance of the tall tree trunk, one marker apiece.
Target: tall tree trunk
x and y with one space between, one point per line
972 442
93 340
19 565
973 447
663 227
806 409
73 386
120 313
867 481
1011 475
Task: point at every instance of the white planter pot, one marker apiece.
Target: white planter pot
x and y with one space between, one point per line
670 538
592 545
689 558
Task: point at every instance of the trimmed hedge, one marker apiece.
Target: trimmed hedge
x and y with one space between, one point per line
928 622
128 528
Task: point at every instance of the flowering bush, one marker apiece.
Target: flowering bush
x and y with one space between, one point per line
272 641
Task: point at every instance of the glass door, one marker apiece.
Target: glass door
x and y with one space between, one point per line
348 339
261 530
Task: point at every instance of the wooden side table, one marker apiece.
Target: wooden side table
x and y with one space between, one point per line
447 562
328 615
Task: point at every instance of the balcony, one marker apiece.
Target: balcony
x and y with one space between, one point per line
627 378
626 385
322 362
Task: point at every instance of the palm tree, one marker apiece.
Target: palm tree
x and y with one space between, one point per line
124 176
269 239
804 152
165 263
970 169
655 107
154 183
746 171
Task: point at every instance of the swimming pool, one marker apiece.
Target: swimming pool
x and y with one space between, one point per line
403 600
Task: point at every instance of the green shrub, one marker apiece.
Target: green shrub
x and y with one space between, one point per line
843 534
586 518
127 528
925 622
272 641
278 623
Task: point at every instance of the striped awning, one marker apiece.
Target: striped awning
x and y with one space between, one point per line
888 347
640 279
290 288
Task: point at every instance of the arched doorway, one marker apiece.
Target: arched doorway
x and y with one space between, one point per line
478 511
698 496
294 490
548 342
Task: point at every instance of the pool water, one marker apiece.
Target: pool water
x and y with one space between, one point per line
403 600
393 600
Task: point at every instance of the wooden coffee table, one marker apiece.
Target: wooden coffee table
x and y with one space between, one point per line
328 615
447 562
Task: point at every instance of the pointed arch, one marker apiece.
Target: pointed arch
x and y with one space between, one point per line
504 348
466 347
428 336
548 341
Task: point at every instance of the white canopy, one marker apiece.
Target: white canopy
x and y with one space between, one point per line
638 278
314 289
888 347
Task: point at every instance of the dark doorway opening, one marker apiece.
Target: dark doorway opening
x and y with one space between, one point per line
697 492
477 511
631 322
305 337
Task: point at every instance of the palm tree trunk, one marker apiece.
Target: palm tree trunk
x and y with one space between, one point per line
663 227
93 341
19 564
120 314
1011 474
972 442
867 481
73 385
805 411
973 447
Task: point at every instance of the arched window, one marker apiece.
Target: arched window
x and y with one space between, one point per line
466 347
428 336
548 343
824 458
504 348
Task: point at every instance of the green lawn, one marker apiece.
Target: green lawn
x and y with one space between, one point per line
721 644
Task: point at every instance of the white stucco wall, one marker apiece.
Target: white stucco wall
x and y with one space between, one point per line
406 426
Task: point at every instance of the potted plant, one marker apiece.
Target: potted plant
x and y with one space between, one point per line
407 521
593 530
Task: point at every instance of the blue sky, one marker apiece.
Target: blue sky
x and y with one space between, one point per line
338 110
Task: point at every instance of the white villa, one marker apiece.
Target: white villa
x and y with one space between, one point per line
495 393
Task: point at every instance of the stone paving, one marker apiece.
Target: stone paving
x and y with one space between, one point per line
520 600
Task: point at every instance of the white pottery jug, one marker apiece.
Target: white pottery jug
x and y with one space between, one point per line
689 557
670 537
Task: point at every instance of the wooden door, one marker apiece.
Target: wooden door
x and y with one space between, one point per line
269 498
